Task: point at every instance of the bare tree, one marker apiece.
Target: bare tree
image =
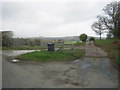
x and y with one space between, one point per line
7 38
111 19
98 28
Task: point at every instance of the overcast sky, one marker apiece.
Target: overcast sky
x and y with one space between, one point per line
51 18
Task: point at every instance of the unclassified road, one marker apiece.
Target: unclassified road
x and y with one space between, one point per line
27 74
0 71
34 74
93 71
16 76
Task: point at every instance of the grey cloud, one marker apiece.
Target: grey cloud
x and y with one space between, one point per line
11 10
82 11
0 16
48 19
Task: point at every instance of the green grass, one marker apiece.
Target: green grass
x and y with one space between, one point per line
22 48
111 48
76 43
70 42
53 56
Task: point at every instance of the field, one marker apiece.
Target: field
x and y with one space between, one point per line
70 42
53 56
76 43
111 47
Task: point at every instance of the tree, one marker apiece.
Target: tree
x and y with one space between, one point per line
98 28
109 35
7 38
92 39
0 39
118 25
111 20
83 37
37 42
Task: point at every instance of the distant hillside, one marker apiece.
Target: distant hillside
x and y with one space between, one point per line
68 38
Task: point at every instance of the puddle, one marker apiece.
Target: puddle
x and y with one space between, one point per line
76 61
15 60
15 52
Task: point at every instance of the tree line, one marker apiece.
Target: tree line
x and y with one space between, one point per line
109 22
8 40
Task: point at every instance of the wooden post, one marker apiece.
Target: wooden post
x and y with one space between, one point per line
62 45
72 48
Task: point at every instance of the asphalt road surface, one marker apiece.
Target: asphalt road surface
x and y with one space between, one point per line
0 71
88 72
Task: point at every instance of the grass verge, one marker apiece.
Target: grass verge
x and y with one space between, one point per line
111 48
53 56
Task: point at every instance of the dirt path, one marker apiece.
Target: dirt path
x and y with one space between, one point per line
93 71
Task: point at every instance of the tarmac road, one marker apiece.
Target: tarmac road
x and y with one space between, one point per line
0 71
90 71
15 76
33 74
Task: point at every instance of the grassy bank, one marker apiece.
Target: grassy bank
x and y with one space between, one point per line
53 56
111 47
